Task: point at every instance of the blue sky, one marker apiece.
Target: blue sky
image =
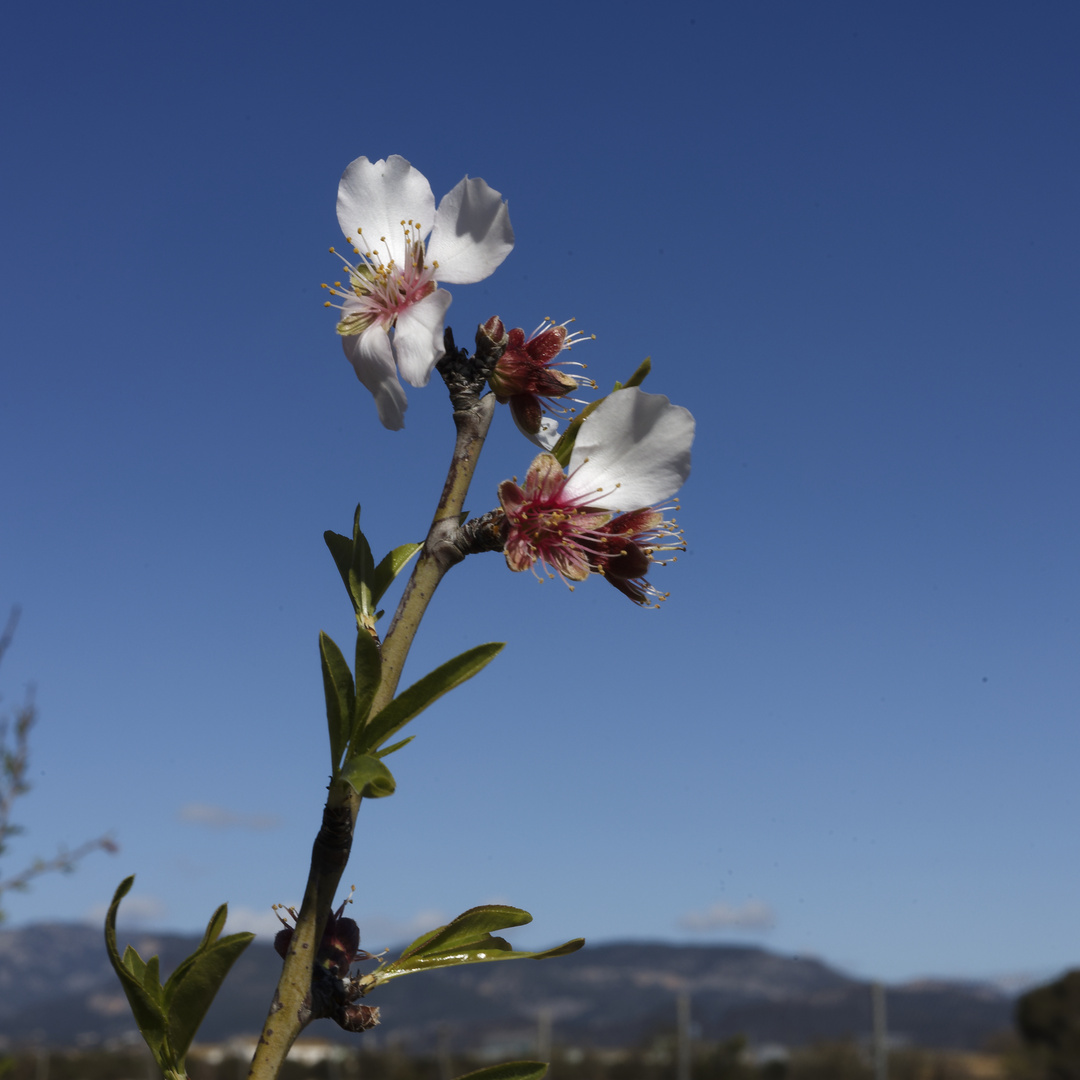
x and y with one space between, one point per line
847 235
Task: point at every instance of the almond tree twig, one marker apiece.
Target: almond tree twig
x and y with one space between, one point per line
290 1010
14 762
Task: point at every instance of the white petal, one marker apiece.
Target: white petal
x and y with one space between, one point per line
377 196
472 233
373 361
418 337
546 437
638 441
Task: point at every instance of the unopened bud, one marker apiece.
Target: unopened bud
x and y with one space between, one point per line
358 1017
491 338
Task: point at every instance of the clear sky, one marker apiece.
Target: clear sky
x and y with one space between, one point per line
846 233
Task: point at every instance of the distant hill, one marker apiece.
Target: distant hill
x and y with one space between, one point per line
56 987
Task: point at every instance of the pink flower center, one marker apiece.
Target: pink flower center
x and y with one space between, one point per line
571 537
379 287
547 526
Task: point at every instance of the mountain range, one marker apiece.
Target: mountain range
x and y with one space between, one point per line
57 989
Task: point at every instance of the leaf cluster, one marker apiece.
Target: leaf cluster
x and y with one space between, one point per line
169 1015
358 739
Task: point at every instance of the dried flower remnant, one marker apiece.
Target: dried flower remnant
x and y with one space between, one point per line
340 945
334 992
529 377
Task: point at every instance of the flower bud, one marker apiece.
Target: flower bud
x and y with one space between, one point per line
491 338
358 1017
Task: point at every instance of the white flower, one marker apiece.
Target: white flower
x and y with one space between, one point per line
632 451
386 211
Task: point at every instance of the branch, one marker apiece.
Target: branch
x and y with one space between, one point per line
14 762
291 1009
64 861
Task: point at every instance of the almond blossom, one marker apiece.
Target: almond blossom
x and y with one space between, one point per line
528 377
392 309
632 452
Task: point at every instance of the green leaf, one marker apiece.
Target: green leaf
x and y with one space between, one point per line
340 698
638 377
369 777
169 1016
386 751
421 694
361 573
135 964
353 559
565 446
145 1007
468 928
389 568
368 677
213 932
484 952
214 927
466 940
341 549
510 1070
151 978
192 987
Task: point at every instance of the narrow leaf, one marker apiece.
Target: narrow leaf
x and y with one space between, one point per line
190 991
151 977
565 446
135 964
410 965
213 932
353 559
362 573
214 927
386 751
421 694
510 1070
340 697
369 777
467 927
368 677
638 377
391 565
147 1012
341 548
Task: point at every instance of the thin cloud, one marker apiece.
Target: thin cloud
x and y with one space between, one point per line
218 817
751 916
